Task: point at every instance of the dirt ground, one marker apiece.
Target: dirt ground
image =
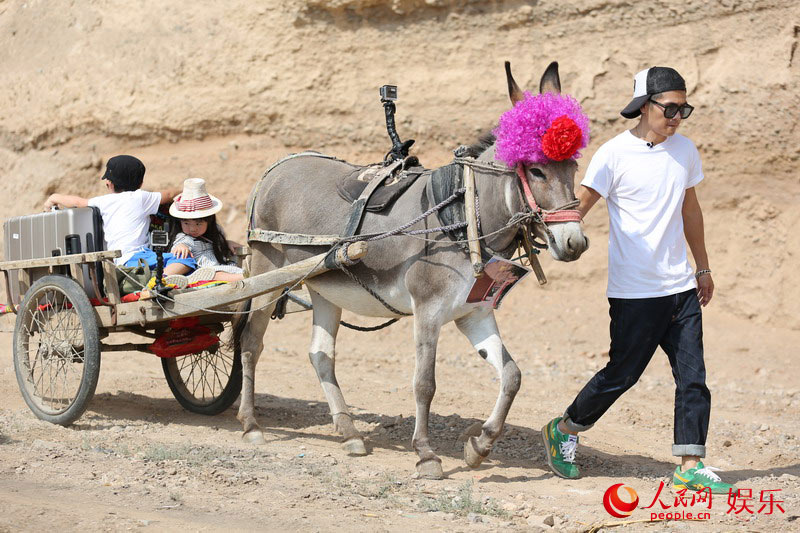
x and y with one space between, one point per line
136 459
221 91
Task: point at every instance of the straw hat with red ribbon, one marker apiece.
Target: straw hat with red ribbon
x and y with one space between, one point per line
194 201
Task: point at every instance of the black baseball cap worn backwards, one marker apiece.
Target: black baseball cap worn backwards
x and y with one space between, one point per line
125 172
652 81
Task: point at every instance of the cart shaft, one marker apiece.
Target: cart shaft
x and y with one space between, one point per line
205 300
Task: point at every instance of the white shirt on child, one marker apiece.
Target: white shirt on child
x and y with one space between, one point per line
126 220
644 189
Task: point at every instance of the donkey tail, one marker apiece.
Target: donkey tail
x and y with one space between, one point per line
239 322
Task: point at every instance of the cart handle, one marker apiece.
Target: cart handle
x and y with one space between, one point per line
88 257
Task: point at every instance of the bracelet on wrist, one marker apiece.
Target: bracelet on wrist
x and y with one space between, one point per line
701 272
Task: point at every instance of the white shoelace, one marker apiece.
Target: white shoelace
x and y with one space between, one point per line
568 448
708 471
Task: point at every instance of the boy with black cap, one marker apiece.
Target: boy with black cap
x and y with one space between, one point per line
126 214
647 175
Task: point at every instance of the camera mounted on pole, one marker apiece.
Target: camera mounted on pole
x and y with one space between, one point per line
399 149
159 243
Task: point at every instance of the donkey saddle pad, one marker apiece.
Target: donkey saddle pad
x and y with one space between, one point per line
351 185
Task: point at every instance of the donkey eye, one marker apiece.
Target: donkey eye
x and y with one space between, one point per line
537 173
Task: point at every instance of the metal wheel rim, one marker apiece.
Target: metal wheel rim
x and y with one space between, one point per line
52 350
202 377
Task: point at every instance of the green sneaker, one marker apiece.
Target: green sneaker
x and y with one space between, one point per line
560 450
699 478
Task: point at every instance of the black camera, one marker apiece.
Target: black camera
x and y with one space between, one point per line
389 93
159 240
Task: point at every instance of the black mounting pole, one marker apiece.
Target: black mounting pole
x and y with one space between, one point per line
160 289
397 146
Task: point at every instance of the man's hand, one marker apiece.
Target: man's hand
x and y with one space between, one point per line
693 229
181 251
705 288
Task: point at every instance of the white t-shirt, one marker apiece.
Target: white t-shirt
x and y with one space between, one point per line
126 220
644 188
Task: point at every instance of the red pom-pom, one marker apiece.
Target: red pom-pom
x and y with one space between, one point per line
562 139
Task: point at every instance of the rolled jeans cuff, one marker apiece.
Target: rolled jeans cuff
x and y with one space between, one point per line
681 450
572 426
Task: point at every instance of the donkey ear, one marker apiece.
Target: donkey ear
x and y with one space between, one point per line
514 92
551 83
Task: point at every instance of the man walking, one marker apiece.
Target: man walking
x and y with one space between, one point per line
647 176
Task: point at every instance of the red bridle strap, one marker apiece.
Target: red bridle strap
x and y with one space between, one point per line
556 215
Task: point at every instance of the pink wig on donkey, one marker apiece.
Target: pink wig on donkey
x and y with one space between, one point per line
540 129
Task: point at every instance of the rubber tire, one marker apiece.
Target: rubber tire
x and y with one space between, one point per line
91 369
229 394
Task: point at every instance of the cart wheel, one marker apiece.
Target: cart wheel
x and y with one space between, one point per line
56 349
208 382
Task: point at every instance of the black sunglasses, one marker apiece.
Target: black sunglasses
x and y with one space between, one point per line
670 110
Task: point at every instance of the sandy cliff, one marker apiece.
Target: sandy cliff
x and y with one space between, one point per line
222 90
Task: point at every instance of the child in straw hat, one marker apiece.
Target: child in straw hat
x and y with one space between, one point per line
199 236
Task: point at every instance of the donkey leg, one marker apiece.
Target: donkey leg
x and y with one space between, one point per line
322 355
252 343
481 330
426 337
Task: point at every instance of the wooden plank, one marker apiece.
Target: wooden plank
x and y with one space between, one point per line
24 283
8 281
279 237
103 316
202 301
533 259
241 253
110 282
152 330
76 271
126 347
89 257
537 269
472 222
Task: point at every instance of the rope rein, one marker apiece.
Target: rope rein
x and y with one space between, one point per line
426 214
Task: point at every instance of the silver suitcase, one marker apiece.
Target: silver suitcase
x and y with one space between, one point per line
62 232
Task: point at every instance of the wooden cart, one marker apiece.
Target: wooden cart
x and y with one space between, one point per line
61 329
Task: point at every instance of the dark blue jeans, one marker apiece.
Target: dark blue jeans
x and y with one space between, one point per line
638 327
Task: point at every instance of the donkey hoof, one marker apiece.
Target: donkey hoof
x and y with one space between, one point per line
471 455
254 436
474 430
354 446
430 469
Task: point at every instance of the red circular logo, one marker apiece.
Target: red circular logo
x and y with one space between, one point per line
614 504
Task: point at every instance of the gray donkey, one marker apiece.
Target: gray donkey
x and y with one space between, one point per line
428 278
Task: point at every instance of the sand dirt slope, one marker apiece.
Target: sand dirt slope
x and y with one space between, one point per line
221 91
